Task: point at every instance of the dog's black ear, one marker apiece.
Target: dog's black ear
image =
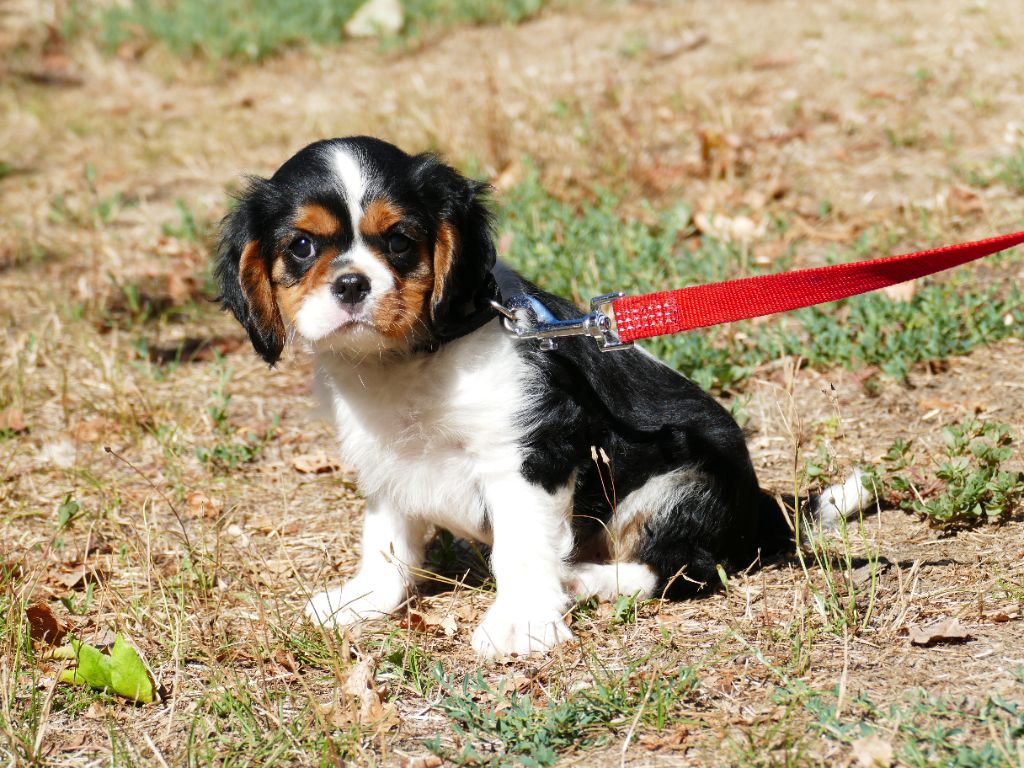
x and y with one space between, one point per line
464 246
243 274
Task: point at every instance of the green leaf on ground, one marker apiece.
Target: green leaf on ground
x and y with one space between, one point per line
122 672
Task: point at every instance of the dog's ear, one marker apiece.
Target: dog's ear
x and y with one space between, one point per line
464 247
243 274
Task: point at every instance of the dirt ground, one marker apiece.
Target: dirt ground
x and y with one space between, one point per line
847 119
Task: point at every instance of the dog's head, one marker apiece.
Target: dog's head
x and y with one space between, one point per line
357 247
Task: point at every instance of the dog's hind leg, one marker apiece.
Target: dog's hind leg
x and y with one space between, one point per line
606 581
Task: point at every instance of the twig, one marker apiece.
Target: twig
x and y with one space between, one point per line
140 473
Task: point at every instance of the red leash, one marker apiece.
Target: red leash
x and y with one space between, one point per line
697 306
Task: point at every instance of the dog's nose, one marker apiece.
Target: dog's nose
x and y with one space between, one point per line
352 288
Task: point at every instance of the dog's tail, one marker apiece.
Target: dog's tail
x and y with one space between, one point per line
821 512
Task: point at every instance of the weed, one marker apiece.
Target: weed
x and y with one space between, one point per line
1010 171
926 729
624 609
67 511
231 448
188 227
970 485
500 727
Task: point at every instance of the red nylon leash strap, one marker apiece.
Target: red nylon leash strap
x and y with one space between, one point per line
655 314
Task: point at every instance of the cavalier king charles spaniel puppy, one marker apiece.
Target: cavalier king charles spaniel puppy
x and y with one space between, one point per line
587 474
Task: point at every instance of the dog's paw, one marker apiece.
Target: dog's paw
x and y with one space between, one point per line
505 633
350 604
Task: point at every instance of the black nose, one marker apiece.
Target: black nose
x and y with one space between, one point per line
351 288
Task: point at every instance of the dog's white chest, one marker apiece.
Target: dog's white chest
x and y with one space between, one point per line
428 434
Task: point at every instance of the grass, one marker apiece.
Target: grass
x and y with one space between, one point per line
968 484
585 249
790 664
503 727
926 729
253 30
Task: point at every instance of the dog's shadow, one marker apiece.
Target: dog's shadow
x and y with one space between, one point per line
453 563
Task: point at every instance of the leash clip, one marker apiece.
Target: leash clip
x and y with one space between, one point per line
546 327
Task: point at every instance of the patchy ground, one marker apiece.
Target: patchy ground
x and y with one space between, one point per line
199 537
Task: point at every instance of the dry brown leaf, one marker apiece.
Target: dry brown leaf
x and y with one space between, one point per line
449 625
44 627
96 430
945 631
13 420
315 463
872 752
201 505
362 702
669 739
76 575
424 761
901 292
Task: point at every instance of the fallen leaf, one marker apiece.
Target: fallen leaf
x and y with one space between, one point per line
418 621
315 463
426 761
945 631
122 672
95 430
449 625
370 706
202 505
672 739
901 292
872 752
76 574
44 626
13 420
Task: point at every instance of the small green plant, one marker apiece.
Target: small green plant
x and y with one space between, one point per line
925 729
189 226
498 727
231 449
624 609
67 512
969 486
1011 171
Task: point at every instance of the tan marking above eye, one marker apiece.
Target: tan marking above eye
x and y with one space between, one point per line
379 216
317 220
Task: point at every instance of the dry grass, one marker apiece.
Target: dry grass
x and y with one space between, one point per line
842 120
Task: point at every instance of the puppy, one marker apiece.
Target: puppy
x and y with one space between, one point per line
588 474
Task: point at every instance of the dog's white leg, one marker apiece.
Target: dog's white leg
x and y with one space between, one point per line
606 581
393 546
842 501
532 539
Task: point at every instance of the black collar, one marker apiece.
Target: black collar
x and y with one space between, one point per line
481 313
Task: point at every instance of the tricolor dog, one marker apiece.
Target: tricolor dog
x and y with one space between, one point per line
587 473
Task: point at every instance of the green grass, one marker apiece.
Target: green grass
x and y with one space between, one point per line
969 484
582 250
252 30
926 729
498 727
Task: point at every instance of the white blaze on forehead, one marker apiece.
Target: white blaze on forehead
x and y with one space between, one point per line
350 172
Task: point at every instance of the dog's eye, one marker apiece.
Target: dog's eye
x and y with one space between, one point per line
302 248
398 243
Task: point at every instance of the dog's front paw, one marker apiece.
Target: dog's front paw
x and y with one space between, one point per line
505 632
351 604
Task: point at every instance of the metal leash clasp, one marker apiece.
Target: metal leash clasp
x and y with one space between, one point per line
526 318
